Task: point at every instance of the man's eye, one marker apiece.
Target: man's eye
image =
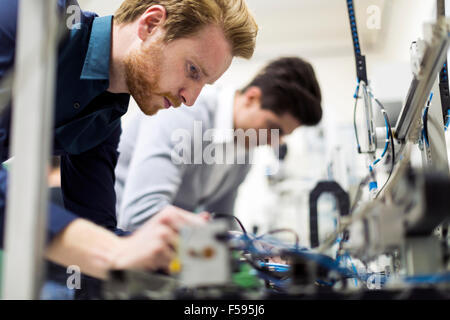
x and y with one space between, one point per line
193 72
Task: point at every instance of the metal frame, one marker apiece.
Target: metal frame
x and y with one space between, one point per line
435 155
31 144
407 127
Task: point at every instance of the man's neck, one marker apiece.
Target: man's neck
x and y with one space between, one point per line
120 42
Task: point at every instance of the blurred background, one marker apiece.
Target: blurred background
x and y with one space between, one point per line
318 31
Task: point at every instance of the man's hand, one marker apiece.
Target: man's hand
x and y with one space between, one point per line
152 246
96 250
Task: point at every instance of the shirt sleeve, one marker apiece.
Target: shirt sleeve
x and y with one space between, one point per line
162 150
58 217
87 182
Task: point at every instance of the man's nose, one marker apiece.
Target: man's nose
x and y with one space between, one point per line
189 96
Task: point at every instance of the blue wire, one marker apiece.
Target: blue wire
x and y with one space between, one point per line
353 267
431 278
277 282
276 267
322 260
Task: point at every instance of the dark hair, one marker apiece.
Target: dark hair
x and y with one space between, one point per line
290 85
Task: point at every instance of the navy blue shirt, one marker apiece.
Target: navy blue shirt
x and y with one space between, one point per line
86 120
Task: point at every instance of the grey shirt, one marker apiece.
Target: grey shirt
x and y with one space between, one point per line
162 160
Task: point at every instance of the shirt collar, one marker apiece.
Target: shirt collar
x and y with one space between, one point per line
223 122
96 64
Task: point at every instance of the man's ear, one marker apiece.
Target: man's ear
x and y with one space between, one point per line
253 94
150 20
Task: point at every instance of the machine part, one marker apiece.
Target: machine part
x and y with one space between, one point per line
361 71
305 272
423 197
418 203
205 259
434 152
283 152
380 134
423 256
125 285
368 112
417 52
343 202
443 75
408 123
379 232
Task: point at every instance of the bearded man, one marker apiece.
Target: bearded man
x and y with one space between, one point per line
161 52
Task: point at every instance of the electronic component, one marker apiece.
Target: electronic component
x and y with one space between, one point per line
205 259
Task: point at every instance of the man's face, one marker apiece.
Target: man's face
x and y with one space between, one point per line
160 75
250 115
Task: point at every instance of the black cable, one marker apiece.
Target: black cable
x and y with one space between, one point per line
445 242
222 215
359 193
391 137
425 125
425 120
365 180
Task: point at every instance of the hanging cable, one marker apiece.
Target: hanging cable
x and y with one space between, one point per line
391 138
425 121
356 96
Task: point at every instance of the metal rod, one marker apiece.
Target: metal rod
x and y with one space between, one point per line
33 97
407 127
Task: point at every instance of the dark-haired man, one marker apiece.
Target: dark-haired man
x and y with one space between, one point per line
191 159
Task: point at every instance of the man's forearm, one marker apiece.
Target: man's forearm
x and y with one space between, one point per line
92 248
96 250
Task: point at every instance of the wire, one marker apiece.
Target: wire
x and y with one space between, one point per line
297 238
386 123
228 216
386 145
356 96
280 271
358 195
276 266
264 269
425 120
391 137
431 278
389 141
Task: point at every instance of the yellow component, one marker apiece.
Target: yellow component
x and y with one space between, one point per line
175 265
